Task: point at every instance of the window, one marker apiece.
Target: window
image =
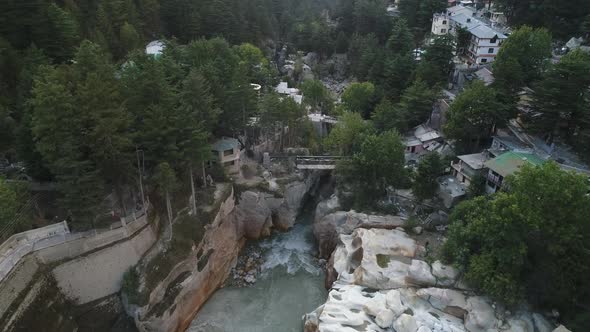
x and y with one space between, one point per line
229 163
491 50
445 22
443 30
493 40
228 152
484 60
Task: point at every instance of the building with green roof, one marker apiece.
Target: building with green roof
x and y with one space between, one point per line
507 164
227 153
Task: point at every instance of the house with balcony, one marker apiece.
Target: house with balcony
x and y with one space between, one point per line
226 152
466 167
485 37
505 165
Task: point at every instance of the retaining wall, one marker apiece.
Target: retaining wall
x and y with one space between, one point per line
90 265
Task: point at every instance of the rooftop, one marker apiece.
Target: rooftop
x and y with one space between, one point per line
456 10
475 161
155 47
451 186
510 162
467 18
225 143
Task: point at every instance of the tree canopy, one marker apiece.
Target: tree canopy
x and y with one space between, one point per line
474 115
377 164
528 242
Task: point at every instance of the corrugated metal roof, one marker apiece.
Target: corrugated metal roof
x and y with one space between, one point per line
510 162
225 144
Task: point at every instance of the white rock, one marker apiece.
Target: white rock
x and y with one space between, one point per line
394 303
405 323
419 274
561 328
480 315
417 230
445 275
375 305
447 300
384 260
344 310
385 318
424 329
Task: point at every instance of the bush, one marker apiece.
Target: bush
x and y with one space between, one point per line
130 285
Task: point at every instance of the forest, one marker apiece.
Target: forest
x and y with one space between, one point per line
83 106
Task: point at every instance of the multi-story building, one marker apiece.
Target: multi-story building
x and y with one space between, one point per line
485 41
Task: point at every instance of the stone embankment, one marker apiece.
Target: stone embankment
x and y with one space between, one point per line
77 268
379 282
247 215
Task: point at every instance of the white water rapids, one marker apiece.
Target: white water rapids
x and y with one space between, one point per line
290 285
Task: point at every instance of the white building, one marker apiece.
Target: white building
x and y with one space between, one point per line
155 48
284 89
485 40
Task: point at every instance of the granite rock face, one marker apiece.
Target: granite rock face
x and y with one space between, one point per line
328 228
380 285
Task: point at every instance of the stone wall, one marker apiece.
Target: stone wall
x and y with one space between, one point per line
100 273
86 266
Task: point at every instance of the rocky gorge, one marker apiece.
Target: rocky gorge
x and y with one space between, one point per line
246 212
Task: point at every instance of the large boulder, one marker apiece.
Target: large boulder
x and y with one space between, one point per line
328 228
385 262
293 199
326 207
419 274
405 323
254 214
326 232
480 315
447 300
445 275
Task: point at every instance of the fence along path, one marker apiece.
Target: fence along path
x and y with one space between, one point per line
19 245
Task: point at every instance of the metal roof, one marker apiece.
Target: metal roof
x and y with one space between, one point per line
225 144
510 162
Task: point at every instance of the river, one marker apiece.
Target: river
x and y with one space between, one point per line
290 285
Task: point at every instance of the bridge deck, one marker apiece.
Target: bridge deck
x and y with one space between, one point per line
317 162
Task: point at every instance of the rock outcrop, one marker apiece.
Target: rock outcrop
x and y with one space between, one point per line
327 228
382 286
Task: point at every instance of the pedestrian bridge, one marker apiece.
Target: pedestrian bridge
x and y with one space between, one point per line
317 162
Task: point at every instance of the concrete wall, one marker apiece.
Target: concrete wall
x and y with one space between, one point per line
100 273
90 264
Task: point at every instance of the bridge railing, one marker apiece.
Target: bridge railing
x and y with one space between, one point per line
318 160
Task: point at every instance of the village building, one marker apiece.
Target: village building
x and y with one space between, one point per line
422 140
507 164
226 152
466 167
451 191
486 39
284 89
